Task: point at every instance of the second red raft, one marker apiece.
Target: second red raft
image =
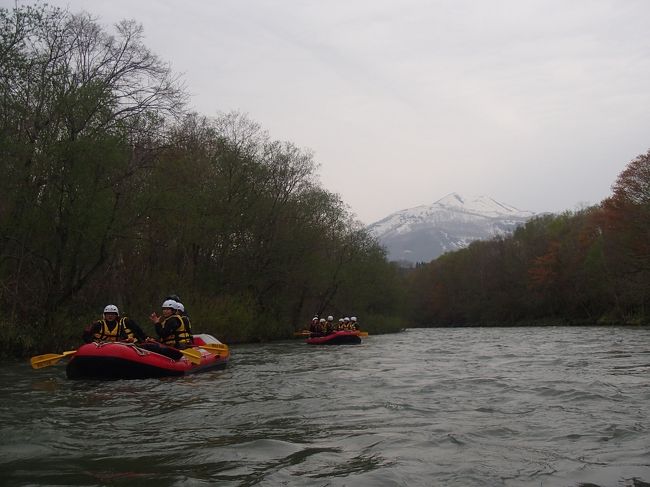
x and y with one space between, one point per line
343 337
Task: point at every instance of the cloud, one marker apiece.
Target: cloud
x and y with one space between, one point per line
539 104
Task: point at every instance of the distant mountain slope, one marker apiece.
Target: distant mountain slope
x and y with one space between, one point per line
423 233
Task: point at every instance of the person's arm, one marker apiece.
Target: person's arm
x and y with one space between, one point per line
88 334
155 319
171 325
160 331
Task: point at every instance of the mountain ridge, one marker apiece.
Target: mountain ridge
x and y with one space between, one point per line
424 232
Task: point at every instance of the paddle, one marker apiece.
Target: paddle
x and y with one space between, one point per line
154 346
193 356
41 361
219 348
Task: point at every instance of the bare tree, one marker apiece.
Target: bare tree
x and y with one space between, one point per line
81 113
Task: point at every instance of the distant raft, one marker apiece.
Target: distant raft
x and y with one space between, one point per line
343 337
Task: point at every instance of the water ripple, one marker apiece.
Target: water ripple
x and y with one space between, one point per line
455 407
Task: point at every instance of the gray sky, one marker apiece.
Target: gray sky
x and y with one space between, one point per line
538 104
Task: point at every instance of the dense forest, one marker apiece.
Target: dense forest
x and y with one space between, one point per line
585 267
114 193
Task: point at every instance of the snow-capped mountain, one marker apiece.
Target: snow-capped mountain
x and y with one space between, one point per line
423 233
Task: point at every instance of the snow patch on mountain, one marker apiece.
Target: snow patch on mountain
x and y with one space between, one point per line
422 233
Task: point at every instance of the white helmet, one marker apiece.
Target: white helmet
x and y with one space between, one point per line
177 306
322 320
330 318
340 320
180 307
354 318
315 318
169 303
111 308
346 319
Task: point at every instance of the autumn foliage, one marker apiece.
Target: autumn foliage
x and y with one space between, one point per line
589 266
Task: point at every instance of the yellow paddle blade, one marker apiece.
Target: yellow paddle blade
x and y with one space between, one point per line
363 333
194 356
220 348
41 361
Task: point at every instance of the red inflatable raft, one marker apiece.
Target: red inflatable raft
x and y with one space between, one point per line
344 337
112 361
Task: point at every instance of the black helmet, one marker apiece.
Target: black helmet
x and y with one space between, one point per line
174 297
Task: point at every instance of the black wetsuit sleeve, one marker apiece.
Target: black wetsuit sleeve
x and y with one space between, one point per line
88 334
171 325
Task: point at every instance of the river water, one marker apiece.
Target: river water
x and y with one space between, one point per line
542 406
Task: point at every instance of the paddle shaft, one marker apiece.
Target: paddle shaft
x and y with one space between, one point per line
217 348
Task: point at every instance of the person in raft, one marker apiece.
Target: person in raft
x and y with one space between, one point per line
170 327
346 324
329 325
180 312
313 326
354 324
113 328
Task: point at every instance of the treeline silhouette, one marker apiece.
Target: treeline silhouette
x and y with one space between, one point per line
113 193
585 267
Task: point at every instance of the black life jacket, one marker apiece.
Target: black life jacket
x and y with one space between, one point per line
180 336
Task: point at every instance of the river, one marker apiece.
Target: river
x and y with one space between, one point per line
546 406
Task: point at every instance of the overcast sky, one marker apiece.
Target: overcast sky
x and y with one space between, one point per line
538 104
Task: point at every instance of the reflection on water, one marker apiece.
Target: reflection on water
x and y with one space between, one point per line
465 406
